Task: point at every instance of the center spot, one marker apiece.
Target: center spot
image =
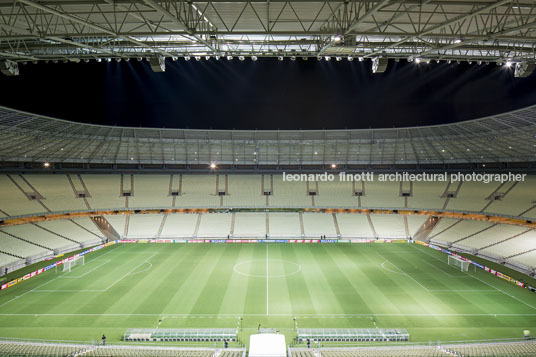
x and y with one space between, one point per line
277 268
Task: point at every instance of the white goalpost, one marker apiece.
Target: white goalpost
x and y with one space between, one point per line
68 265
461 264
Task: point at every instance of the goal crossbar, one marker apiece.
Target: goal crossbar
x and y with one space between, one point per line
461 264
68 265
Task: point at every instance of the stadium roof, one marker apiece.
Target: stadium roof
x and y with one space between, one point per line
503 138
74 30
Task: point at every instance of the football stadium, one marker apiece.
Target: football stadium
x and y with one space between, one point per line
409 238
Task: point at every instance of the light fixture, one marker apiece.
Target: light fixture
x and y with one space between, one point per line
241 58
338 59
253 58
198 58
333 166
508 64
361 59
108 59
46 164
229 58
418 60
217 57
293 58
207 57
327 58
174 58
213 165
319 58
280 58
186 58
337 38
99 59
118 59
458 40
350 58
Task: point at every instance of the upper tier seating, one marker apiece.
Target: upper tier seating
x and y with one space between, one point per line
37 193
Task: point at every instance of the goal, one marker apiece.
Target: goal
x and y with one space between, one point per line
461 264
68 265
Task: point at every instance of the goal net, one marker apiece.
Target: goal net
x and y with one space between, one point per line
463 265
68 265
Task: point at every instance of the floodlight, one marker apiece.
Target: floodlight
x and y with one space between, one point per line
217 57
107 60
418 60
337 38
280 58
458 40
253 58
207 57
333 166
327 58
319 58
213 165
305 58
46 164
508 64
293 58
361 59
140 59
174 58
198 58
186 58
338 59
350 58
99 59
241 58
118 59
229 58
127 59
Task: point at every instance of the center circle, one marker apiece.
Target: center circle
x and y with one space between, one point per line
258 268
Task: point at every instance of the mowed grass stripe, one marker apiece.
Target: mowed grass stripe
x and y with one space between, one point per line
299 294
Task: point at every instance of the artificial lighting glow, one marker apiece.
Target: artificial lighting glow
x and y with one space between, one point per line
212 165
253 58
46 164
417 60
327 58
207 57
198 58
508 64
241 58
216 57
337 38
360 59
338 59
99 59
333 166
350 58
229 58
458 40
186 58
107 60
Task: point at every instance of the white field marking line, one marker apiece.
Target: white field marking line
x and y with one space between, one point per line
102 290
406 274
295 315
389 270
267 276
494 287
144 270
433 290
441 270
37 287
86 273
237 270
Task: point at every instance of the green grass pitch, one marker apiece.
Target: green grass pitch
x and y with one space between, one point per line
322 285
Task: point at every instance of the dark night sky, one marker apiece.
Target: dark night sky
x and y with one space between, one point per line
267 94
